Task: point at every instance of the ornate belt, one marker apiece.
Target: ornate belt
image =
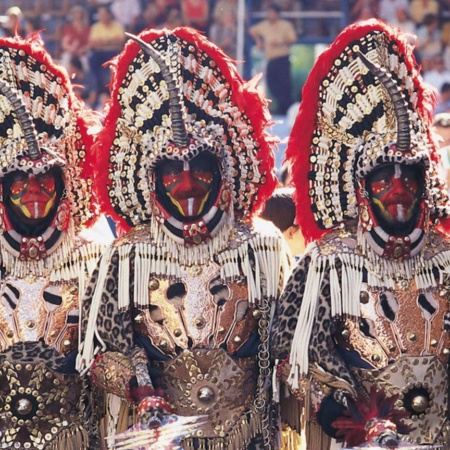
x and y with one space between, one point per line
211 383
38 405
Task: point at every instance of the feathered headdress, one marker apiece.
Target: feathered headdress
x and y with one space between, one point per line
173 95
42 124
364 94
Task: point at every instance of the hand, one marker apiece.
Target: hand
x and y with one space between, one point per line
382 433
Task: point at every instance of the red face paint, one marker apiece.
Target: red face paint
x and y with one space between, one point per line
395 192
188 184
33 196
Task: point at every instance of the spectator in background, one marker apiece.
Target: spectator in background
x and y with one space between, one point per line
437 74
83 82
275 36
223 7
364 9
443 105
13 25
388 9
106 40
195 14
403 21
441 124
223 32
75 37
127 13
154 14
420 8
429 42
174 18
280 210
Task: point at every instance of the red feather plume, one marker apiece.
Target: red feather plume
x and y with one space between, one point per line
245 95
300 140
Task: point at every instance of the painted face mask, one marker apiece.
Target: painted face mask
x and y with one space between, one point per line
395 192
32 196
188 187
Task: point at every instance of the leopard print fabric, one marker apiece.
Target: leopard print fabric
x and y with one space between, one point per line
322 349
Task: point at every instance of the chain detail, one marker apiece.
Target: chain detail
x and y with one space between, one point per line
261 399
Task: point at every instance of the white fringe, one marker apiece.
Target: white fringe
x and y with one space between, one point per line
345 293
86 351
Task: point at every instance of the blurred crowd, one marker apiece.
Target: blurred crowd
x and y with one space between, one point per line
83 34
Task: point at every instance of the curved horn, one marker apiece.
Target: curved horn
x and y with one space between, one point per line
399 102
25 120
180 136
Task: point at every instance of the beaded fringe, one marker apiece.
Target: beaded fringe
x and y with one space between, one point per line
316 438
151 260
36 268
345 292
247 428
75 438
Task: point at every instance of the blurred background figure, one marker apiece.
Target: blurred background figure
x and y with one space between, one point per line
12 24
173 18
223 32
127 13
442 129
280 210
75 37
195 13
402 20
106 40
437 74
420 8
275 36
429 41
84 82
443 105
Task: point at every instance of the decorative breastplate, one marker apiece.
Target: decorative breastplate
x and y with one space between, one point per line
37 310
403 335
40 407
212 384
198 311
404 322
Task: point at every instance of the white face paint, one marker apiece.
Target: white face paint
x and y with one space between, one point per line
401 210
190 203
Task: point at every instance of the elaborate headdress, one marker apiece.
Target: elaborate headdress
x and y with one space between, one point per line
42 125
175 95
364 104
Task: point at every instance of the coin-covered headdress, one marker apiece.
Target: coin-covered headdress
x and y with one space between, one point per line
175 95
364 105
43 125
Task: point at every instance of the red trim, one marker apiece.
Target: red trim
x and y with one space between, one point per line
244 94
298 149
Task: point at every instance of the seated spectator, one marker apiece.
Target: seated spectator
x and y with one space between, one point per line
437 74
127 13
441 124
280 210
388 9
13 24
84 82
364 9
173 18
195 13
420 8
106 40
443 105
223 32
154 14
222 7
429 42
75 37
402 21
